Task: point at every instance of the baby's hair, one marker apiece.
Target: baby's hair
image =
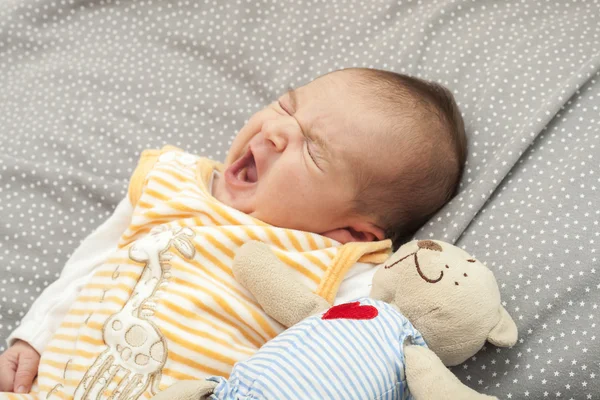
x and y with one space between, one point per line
432 146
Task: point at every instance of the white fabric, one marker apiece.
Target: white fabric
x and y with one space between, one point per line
47 312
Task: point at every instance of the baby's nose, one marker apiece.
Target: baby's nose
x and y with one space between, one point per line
278 132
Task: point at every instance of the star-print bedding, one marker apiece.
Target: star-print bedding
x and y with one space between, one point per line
85 86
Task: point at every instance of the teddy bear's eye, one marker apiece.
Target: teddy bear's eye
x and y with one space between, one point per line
471 260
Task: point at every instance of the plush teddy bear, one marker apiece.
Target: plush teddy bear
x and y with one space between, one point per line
431 305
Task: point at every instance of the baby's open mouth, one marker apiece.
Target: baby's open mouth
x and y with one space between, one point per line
244 169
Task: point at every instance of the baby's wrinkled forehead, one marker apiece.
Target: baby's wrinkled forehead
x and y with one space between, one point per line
358 119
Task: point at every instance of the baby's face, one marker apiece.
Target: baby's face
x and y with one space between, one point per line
293 164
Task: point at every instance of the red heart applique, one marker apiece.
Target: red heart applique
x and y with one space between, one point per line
351 311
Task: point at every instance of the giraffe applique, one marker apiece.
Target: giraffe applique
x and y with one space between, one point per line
134 344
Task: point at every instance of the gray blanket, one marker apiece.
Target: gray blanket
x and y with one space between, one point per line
85 86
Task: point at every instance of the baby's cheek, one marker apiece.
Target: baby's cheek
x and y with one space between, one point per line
240 143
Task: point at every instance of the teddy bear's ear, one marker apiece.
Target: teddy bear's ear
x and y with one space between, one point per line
504 334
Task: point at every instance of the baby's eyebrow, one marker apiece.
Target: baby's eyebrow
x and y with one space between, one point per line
315 138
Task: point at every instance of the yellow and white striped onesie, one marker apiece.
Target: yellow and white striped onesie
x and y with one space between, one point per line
165 306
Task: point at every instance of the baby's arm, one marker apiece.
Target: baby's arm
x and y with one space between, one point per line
19 364
48 311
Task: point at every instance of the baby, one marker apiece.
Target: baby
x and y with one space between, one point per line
357 156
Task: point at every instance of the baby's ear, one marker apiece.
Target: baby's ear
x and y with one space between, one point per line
359 232
504 334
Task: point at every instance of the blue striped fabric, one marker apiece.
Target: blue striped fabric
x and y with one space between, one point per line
344 359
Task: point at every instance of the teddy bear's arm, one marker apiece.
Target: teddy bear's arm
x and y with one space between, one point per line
428 378
282 297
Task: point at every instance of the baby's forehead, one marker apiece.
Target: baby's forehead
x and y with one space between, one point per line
349 117
332 83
